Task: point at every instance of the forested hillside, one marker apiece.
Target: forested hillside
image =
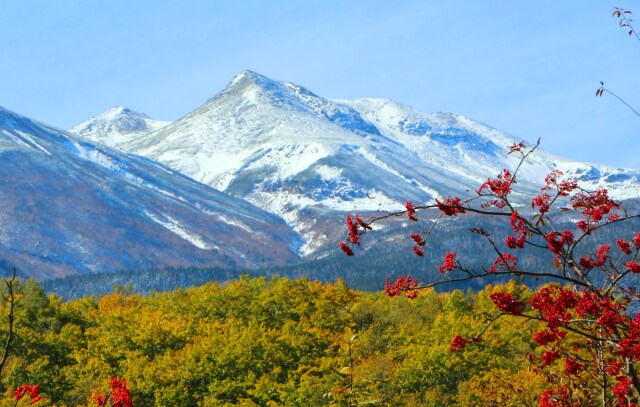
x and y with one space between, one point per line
391 258
268 342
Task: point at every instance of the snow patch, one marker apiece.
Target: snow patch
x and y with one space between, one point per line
234 223
32 142
96 156
175 227
328 173
375 160
290 159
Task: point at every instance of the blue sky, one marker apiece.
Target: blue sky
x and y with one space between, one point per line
528 68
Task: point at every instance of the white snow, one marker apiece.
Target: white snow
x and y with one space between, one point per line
92 154
230 221
31 142
175 227
328 173
408 179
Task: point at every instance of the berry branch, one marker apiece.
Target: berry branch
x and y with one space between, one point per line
590 307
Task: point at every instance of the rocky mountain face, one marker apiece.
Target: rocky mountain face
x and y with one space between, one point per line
309 159
70 205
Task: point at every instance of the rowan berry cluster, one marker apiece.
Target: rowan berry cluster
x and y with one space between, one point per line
458 343
500 187
449 262
118 396
28 390
506 302
450 207
404 284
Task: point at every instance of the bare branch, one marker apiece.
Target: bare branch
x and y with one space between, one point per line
11 302
602 89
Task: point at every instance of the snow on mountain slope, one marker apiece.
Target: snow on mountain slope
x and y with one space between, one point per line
69 205
304 157
461 145
283 148
117 126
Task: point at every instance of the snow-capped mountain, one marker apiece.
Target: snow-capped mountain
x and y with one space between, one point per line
118 126
70 205
301 156
472 149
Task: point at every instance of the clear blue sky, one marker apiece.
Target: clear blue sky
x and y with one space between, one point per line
529 68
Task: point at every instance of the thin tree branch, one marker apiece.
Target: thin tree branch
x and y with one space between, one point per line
510 386
622 100
601 91
11 302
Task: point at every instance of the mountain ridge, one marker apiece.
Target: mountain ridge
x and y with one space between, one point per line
293 153
71 205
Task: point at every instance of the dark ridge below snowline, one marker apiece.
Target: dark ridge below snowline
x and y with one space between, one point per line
368 275
365 271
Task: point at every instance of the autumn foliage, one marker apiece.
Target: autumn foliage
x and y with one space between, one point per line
262 342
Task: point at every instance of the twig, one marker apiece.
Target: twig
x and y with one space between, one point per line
510 386
625 21
602 89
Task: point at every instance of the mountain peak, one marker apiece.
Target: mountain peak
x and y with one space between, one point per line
251 75
118 123
120 111
250 80
251 88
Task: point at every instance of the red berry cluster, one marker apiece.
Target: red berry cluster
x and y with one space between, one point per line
404 284
542 202
602 255
504 262
118 396
558 397
557 241
449 262
30 390
594 206
354 233
548 356
450 207
519 232
563 188
457 343
501 186
506 302
411 211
